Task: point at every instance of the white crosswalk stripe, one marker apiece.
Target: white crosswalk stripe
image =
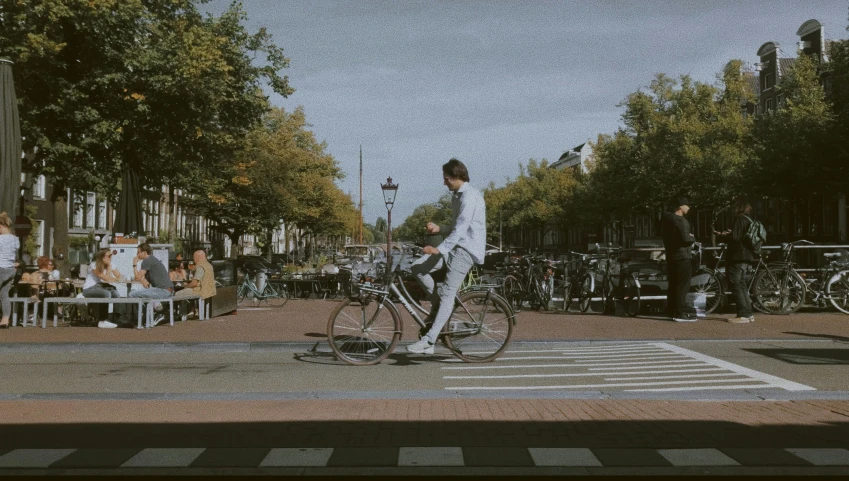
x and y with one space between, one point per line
33 458
647 366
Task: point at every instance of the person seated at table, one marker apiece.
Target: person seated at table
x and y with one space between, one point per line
177 272
97 285
203 278
153 276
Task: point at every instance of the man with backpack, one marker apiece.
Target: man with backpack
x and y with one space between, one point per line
744 240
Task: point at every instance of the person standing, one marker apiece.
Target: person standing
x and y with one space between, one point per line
740 260
677 241
463 246
9 245
154 277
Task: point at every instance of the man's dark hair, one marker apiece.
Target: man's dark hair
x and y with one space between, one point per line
742 206
455 169
146 248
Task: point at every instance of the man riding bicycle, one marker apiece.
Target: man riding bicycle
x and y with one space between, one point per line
463 246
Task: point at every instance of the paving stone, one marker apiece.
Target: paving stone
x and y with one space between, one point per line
764 457
697 457
346 456
431 456
823 456
96 458
297 457
230 457
163 458
32 458
563 457
630 457
497 456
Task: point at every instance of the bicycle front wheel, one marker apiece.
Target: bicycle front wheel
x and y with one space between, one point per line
480 327
705 282
363 332
780 291
275 295
837 291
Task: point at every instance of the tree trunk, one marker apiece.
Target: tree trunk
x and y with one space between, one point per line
60 249
235 247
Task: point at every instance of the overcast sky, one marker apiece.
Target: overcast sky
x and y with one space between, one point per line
496 83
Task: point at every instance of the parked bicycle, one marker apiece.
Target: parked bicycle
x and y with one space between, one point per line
775 287
529 282
828 284
365 328
249 293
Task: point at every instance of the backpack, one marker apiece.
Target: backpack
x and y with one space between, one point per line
755 235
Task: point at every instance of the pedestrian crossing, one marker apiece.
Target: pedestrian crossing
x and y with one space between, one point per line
415 456
630 367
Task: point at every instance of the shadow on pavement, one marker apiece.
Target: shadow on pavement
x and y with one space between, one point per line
304 434
823 336
806 356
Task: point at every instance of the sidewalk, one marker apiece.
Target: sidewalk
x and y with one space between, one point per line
306 321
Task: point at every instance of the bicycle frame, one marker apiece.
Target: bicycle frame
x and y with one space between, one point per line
393 293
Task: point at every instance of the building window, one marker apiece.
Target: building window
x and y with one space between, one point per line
770 105
101 214
39 187
769 81
79 210
90 210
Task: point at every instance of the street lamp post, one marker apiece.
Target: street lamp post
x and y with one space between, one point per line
389 191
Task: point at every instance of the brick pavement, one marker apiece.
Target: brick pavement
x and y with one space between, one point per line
306 320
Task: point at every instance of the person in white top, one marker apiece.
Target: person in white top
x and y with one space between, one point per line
100 274
9 245
463 246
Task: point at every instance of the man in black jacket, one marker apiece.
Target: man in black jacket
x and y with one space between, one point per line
677 240
740 260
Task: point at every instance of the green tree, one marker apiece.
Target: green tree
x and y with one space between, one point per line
281 172
794 144
413 227
678 136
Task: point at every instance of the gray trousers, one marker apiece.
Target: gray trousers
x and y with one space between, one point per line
7 277
458 263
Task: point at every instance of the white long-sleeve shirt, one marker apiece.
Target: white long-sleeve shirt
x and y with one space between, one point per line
468 229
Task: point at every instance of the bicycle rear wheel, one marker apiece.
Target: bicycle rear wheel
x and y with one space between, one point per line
480 327
837 291
586 289
780 291
363 332
705 282
513 292
275 295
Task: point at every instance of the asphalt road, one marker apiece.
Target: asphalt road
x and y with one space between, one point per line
699 369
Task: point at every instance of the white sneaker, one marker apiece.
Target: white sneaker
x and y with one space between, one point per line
158 319
741 320
424 346
107 324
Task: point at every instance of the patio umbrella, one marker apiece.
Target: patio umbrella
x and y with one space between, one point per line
128 216
10 142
